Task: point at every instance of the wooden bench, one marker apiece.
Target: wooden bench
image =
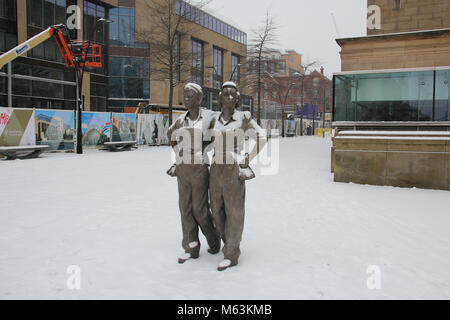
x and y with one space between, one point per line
119 146
22 152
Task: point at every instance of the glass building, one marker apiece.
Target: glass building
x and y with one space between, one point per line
404 95
129 63
210 22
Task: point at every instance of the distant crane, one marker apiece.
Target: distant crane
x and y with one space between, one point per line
335 25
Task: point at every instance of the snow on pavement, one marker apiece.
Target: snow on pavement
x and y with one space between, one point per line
115 215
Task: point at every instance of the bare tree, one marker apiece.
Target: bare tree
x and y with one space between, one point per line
170 21
282 86
306 68
295 84
261 46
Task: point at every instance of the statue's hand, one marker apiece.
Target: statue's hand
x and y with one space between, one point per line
246 173
172 171
243 161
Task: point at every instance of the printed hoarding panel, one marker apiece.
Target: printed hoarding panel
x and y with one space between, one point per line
123 127
17 127
148 129
164 126
96 128
55 128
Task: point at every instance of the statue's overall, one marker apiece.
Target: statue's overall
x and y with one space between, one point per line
193 136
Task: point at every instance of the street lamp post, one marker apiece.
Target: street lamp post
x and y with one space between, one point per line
283 108
214 72
234 70
79 75
302 97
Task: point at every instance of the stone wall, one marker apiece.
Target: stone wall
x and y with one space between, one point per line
413 15
417 50
407 160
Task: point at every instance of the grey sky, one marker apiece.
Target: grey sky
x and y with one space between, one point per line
305 25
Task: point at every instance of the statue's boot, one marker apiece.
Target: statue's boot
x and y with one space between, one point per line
225 264
187 256
194 254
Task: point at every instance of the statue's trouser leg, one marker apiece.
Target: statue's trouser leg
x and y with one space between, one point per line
188 223
228 207
193 185
200 205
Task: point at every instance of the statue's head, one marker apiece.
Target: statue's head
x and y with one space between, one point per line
229 96
193 95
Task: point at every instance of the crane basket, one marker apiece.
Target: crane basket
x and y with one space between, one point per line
89 54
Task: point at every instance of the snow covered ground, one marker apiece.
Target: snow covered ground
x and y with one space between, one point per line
115 215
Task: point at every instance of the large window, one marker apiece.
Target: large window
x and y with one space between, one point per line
49 87
129 77
40 15
44 13
93 12
8 10
122 29
98 96
197 62
7 41
218 67
397 96
208 21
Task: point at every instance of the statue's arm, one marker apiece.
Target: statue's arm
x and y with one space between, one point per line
175 126
258 133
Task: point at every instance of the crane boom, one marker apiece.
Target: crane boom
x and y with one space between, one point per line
26 46
77 51
335 25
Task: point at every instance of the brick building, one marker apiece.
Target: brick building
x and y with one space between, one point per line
284 83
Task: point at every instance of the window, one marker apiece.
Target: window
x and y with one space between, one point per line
197 62
8 9
442 102
44 13
40 15
397 4
218 67
98 96
122 29
398 96
93 12
316 82
7 41
42 92
129 77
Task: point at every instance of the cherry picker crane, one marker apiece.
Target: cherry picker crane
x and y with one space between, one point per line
77 54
